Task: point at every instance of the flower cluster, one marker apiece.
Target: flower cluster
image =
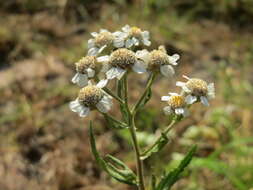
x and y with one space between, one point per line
114 54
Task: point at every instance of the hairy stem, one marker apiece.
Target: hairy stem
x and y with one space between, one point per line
132 130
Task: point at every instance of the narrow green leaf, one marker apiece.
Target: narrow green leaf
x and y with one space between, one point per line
124 175
172 177
156 147
146 98
113 123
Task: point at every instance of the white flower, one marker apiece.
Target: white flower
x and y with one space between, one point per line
197 90
86 68
176 104
92 97
159 61
100 41
131 36
120 61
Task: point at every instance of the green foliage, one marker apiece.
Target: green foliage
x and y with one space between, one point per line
172 177
123 174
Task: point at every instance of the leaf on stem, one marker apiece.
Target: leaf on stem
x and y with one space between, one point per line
156 147
145 99
172 177
113 123
123 174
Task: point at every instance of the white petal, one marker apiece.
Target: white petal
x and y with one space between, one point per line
80 79
179 83
102 83
93 51
104 105
91 43
102 48
189 99
186 77
135 41
94 34
179 111
186 89
118 42
173 59
105 68
126 28
146 42
104 58
211 90
129 43
167 70
173 94
167 110
75 106
103 30
90 72
84 112
145 34
204 100
165 98
139 67
115 72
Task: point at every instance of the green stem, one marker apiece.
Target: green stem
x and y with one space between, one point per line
108 91
115 120
132 130
148 86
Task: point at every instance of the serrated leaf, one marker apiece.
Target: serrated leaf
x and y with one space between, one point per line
124 175
156 147
172 177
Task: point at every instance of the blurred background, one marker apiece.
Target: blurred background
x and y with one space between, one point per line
45 146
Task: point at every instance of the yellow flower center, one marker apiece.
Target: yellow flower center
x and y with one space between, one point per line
157 59
176 101
90 95
103 38
135 32
198 87
122 58
85 63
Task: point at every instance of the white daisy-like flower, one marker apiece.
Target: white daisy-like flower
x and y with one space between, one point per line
176 104
100 41
197 90
159 61
92 97
86 68
131 36
120 61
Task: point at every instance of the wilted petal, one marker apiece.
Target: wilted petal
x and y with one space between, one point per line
179 83
173 94
80 79
139 67
167 70
126 28
204 100
146 42
91 43
118 42
189 99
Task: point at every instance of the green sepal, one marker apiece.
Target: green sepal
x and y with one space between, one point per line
124 175
156 147
173 176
